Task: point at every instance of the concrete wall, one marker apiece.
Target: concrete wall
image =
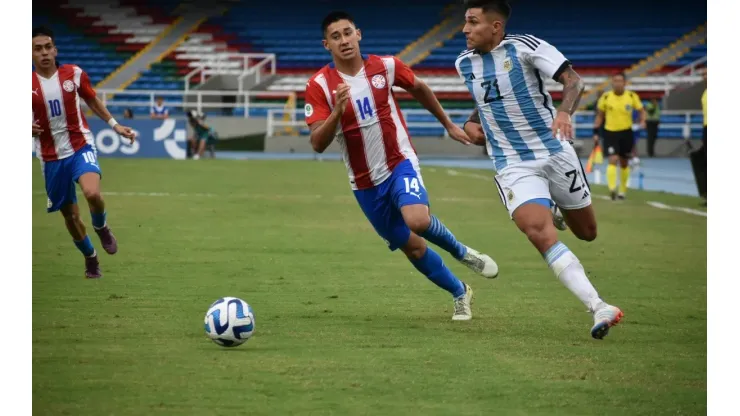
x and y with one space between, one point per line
228 127
435 146
688 98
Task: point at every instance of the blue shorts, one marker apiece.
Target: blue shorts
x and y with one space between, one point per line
382 203
61 175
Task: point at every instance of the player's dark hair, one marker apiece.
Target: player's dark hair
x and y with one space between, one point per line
620 74
43 31
335 16
501 7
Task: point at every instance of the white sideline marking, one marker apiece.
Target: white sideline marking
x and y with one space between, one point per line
301 197
453 172
661 205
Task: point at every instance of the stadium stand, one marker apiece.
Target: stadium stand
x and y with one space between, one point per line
102 37
254 28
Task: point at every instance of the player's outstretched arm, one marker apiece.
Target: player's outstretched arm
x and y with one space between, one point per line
474 129
573 87
99 109
424 95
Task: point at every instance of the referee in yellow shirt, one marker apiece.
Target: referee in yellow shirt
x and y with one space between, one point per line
617 106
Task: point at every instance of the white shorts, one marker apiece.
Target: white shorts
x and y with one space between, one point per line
559 178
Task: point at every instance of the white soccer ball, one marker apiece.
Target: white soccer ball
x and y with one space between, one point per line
229 322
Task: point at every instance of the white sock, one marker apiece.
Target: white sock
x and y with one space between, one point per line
570 272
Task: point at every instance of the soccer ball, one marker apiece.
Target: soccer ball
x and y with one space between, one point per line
229 322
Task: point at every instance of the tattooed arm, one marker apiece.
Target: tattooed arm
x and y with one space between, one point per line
573 87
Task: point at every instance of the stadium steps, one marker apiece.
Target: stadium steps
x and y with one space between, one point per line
656 61
419 49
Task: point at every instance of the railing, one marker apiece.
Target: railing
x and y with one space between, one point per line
236 64
277 123
258 69
201 100
678 77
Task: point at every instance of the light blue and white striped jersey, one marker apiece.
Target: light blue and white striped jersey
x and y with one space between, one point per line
515 109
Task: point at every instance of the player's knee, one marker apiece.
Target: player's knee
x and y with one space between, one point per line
418 223
414 248
587 233
71 217
540 234
91 194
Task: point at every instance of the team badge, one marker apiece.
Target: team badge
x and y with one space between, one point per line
309 110
379 81
49 204
68 86
508 64
510 195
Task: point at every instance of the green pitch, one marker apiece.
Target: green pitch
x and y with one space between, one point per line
343 326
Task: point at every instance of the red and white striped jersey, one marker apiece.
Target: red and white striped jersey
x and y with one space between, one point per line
372 133
56 108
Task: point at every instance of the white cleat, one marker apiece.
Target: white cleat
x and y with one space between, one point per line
557 218
480 263
462 305
604 318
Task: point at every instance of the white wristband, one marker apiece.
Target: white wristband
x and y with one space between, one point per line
112 122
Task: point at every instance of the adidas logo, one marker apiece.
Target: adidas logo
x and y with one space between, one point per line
585 195
471 77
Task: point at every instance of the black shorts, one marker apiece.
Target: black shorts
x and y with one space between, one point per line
619 143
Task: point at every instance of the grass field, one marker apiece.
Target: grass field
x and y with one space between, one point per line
343 326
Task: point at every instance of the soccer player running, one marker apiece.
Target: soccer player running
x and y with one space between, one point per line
618 106
351 100
514 119
65 145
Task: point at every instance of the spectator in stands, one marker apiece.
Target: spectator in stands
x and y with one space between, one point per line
653 121
203 136
159 110
128 113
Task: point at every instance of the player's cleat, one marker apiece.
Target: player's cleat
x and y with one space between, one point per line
462 305
605 318
614 195
107 239
620 197
557 218
92 267
480 263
